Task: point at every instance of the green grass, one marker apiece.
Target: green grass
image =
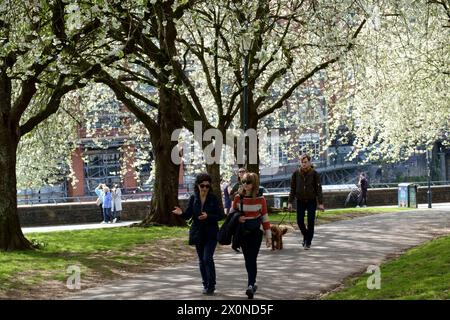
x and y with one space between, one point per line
99 251
421 273
333 214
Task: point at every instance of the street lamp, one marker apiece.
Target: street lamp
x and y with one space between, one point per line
246 44
246 47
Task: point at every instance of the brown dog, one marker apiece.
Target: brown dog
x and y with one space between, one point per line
277 236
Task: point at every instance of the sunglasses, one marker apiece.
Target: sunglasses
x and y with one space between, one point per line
247 182
204 186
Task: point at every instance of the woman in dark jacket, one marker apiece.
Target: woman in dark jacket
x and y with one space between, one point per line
204 209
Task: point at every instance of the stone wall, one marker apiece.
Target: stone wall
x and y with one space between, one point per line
88 212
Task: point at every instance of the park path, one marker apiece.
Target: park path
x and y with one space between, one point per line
339 250
72 227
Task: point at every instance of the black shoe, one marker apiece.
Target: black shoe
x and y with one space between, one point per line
208 292
250 292
307 247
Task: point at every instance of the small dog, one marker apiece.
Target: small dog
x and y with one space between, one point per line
277 236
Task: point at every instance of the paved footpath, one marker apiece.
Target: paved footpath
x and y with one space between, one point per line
339 250
72 227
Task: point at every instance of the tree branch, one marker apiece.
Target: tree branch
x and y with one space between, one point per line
321 66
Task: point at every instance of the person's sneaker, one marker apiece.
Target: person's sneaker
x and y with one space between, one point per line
358 206
255 287
250 292
307 247
114 220
236 250
103 222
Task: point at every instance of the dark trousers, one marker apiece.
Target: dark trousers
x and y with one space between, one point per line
101 211
309 206
107 214
250 244
362 198
205 252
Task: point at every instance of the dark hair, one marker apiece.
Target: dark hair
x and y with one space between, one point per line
201 178
307 156
245 171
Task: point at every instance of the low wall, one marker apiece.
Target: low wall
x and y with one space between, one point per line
78 213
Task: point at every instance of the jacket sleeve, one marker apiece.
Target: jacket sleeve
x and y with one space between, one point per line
293 187
189 212
234 190
318 188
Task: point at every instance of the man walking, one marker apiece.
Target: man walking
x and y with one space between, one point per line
363 185
307 189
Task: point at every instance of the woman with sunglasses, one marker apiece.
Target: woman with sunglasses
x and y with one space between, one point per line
254 220
204 209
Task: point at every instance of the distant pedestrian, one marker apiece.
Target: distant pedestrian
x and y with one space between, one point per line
307 189
105 196
116 207
205 211
362 185
226 197
99 202
238 184
253 220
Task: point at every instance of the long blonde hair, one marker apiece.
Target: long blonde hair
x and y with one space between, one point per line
253 177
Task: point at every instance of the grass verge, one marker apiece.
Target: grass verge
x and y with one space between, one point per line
101 254
421 273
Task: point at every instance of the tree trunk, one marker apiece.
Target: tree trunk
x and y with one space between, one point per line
11 236
165 191
214 172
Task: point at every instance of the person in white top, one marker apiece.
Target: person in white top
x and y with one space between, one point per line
116 202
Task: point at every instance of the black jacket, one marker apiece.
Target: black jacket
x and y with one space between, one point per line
227 233
306 186
203 230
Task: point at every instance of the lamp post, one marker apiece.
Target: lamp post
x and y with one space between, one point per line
246 46
429 177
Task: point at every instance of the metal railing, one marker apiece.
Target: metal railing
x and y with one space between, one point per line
184 194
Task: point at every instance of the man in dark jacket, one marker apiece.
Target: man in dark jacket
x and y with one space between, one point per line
363 185
307 189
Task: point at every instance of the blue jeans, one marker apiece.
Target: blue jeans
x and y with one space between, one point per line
309 206
106 214
205 252
250 244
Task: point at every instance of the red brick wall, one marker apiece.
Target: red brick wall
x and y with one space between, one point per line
129 180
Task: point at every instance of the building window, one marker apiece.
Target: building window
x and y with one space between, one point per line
102 166
310 144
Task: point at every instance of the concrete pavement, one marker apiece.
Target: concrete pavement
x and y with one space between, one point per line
77 227
339 250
